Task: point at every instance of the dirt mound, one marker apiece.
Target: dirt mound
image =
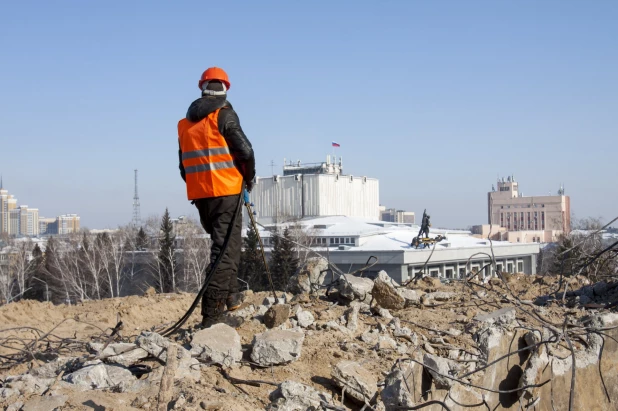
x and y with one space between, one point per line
443 322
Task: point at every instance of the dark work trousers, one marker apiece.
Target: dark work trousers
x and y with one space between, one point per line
216 215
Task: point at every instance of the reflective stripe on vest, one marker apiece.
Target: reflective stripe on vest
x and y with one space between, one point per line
209 166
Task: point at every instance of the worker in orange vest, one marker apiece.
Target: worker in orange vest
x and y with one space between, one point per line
217 163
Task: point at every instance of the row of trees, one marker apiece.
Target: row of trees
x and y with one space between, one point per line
86 266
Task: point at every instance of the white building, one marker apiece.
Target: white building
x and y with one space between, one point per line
315 190
349 243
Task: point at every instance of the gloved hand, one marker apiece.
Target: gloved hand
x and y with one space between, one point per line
245 196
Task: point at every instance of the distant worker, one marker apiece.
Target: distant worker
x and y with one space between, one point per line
217 163
424 226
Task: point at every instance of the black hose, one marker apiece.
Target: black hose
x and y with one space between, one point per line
209 275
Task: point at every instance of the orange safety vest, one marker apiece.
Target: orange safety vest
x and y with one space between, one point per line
209 166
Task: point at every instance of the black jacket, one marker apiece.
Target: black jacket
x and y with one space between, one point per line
229 127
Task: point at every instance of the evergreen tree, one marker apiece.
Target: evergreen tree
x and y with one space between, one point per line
141 240
251 267
51 273
283 262
36 288
167 256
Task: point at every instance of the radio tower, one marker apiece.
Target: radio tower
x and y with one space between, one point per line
137 220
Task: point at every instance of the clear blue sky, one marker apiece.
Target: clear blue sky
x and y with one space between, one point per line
434 98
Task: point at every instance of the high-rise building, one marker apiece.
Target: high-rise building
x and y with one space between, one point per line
68 223
24 220
28 221
7 203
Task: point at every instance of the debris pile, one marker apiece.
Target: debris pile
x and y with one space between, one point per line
364 344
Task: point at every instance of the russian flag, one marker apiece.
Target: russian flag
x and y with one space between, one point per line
336 144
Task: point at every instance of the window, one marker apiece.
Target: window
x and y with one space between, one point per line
337 240
332 240
434 273
462 272
520 267
499 266
509 268
449 273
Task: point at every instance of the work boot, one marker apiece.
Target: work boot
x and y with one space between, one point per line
234 301
213 305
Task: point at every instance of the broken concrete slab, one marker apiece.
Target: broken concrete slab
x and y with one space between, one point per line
8 393
219 343
503 316
308 277
275 347
53 368
156 345
28 384
294 396
99 376
304 318
411 297
16 406
438 367
359 383
188 368
355 288
386 343
533 372
384 313
370 337
45 403
121 353
397 388
385 293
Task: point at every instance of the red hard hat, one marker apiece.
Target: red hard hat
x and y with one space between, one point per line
215 73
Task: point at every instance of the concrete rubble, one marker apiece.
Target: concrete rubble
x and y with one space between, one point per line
294 396
386 294
398 388
219 344
305 318
397 351
308 278
121 353
440 367
97 375
503 316
274 347
358 382
355 288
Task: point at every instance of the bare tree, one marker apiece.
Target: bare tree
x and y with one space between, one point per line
196 255
15 269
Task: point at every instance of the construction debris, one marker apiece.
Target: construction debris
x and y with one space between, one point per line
219 344
274 347
379 346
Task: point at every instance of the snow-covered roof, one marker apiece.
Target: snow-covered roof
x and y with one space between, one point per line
375 237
